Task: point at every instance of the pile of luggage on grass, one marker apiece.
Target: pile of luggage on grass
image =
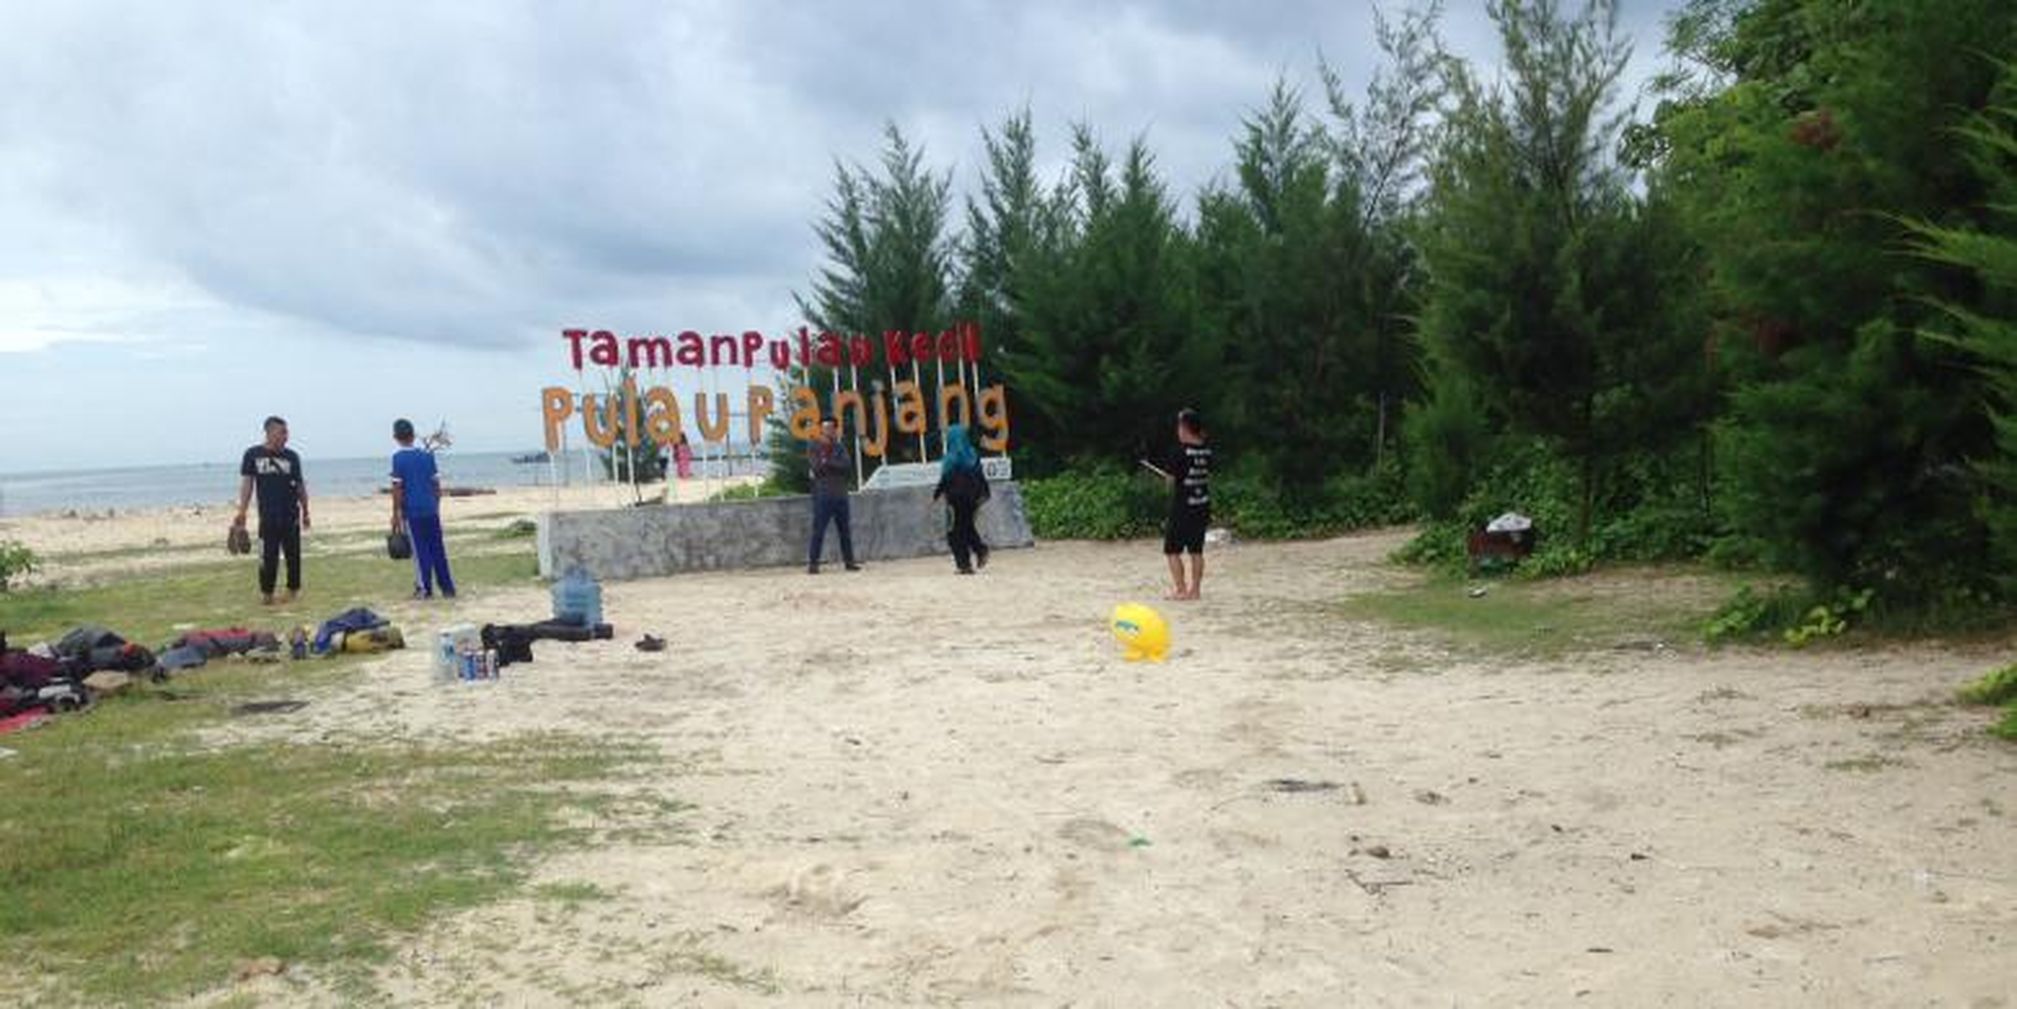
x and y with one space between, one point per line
69 673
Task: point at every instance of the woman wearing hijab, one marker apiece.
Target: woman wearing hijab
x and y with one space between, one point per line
963 486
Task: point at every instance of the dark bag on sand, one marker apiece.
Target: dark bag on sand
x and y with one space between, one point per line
398 546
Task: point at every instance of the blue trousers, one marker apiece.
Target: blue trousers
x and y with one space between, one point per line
430 556
830 509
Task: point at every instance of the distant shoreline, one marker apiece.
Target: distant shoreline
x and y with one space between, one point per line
215 484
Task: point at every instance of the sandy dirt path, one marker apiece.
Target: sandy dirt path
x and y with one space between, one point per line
915 789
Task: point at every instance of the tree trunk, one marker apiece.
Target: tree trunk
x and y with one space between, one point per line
1589 470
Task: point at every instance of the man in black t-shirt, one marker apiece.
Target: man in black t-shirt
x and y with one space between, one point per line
272 469
1190 505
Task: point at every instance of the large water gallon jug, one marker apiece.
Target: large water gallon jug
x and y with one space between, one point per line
577 598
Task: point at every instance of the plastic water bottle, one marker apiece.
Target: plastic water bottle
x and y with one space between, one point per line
577 598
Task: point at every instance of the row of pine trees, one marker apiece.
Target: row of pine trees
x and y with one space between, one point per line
1773 318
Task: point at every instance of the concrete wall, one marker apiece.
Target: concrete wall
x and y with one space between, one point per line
656 540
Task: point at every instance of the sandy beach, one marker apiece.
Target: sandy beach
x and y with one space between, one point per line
83 546
905 788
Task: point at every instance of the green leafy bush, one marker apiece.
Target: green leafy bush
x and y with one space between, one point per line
2007 728
1829 619
16 561
1439 545
1798 617
1446 436
1649 508
1370 500
1741 616
1557 559
1104 502
1101 503
1999 687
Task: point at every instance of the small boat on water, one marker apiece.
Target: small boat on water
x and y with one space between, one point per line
533 459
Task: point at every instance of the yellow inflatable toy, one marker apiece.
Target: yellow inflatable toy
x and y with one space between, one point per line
1141 631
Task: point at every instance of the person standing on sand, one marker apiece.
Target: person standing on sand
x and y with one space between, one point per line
963 485
416 502
830 464
1189 477
273 469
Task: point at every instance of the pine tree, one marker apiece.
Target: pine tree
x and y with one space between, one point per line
1109 348
1985 327
1550 282
1811 129
887 263
1014 235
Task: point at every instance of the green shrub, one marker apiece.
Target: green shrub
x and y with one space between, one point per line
1557 559
1446 437
1104 502
1653 511
1798 617
1829 619
1648 508
1370 500
16 561
1099 503
1252 503
1999 687
2007 728
1440 545
1741 616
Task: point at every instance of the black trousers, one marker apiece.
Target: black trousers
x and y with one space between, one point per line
963 538
830 509
273 541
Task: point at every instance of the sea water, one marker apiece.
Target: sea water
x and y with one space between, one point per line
216 483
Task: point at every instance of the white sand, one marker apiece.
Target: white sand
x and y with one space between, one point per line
912 788
87 546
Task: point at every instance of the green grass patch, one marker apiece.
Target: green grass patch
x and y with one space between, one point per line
1534 619
750 492
1998 687
519 529
188 550
137 868
146 607
2007 728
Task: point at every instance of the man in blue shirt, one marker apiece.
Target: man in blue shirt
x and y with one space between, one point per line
416 499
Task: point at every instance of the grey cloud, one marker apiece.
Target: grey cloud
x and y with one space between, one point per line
479 174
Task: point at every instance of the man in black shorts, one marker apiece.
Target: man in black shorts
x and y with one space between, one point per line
274 471
1190 505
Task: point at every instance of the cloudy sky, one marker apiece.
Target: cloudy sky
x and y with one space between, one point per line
347 212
